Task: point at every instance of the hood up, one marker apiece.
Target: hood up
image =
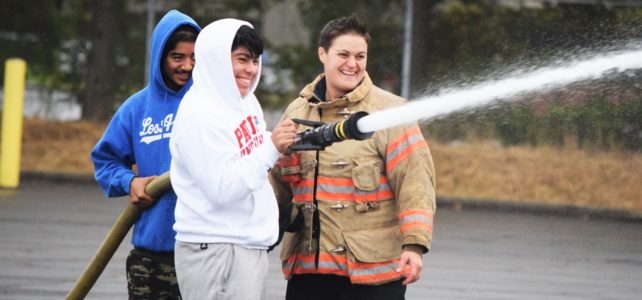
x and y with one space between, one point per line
166 26
213 75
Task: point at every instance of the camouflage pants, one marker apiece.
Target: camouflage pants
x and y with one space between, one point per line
151 275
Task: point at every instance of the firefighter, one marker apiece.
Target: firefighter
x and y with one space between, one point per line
361 211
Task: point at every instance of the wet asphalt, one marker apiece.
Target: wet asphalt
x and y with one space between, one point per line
49 232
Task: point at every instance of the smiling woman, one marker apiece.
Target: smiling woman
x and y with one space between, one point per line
344 64
388 178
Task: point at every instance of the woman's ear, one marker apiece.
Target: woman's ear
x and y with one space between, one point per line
322 54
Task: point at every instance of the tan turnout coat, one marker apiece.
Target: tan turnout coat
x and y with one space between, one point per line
373 197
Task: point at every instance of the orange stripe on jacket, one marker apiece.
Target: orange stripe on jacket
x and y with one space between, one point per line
402 146
399 157
415 211
338 181
387 276
414 130
415 218
358 272
322 257
305 264
305 197
375 196
415 224
385 271
303 190
303 183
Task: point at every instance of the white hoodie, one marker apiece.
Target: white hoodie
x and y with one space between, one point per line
221 152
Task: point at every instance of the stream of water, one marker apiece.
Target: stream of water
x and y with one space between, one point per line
482 94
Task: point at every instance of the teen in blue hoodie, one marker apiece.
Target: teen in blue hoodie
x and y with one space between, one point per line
138 134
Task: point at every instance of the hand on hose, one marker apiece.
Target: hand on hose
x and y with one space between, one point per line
137 193
283 135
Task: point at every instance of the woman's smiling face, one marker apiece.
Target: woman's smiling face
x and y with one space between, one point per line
344 64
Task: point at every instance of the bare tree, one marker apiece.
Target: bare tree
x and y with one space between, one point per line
98 98
420 43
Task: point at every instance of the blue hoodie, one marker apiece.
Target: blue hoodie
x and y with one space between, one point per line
139 134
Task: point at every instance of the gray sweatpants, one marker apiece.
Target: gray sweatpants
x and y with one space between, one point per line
220 271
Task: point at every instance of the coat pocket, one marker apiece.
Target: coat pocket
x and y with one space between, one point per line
365 175
289 243
374 245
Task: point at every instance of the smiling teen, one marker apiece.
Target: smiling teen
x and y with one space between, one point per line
362 211
139 134
178 63
226 214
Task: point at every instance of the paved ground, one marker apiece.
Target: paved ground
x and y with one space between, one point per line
49 232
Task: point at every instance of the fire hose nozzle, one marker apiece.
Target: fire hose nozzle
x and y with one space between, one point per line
322 135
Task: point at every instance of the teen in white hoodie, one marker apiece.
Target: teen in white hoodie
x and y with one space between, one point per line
226 213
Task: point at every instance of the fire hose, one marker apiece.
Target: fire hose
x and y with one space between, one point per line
114 238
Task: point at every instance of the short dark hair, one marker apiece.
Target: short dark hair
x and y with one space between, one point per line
184 33
247 37
341 26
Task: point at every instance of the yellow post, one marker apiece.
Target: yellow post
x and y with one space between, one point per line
14 90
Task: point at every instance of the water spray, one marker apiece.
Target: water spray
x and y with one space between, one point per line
361 125
485 93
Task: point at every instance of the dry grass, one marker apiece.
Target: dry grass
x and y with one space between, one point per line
58 146
539 175
471 170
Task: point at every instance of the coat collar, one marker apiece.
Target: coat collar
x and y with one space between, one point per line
315 93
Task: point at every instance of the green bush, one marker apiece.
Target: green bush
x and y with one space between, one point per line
599 122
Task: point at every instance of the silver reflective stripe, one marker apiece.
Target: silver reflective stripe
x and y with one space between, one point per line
322 265
375 270
411 218
410 140
302 190
335 188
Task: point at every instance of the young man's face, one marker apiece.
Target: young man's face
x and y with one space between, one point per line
178 64
245 67
344 64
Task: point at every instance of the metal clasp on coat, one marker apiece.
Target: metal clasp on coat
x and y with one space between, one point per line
339 206
366 206
312 163
372 204
338 249
345 112
339 164
310 207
